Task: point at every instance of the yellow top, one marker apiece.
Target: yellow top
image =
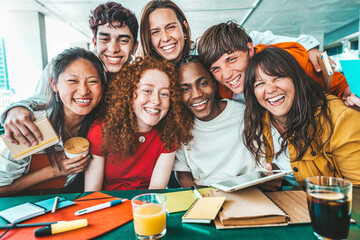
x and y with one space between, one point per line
339 157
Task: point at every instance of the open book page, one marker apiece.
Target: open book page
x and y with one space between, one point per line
249 207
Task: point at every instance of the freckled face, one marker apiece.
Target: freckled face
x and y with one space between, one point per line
167 36
152 100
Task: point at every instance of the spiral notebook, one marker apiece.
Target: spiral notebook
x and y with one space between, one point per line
252 208
203 210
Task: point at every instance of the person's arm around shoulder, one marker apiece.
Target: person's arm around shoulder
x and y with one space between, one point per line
351 100
268 38
18 117
94 174
162 171
308 42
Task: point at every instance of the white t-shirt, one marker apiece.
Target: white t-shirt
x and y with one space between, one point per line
283 161
217 151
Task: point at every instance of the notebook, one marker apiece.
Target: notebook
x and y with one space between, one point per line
351 69
22 212
203 210
252 208
30 210
181 200
100 221
21 150
326 70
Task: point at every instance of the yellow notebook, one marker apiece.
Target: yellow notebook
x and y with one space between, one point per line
203 210
49 138
182 200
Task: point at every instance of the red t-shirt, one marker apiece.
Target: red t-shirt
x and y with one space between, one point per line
128 173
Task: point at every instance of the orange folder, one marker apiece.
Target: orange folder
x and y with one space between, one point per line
100 221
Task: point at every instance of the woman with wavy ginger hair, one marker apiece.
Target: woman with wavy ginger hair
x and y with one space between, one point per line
134 144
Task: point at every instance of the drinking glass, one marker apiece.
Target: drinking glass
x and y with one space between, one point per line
149 211
329 201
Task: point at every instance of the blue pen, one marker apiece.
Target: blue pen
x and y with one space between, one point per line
99 207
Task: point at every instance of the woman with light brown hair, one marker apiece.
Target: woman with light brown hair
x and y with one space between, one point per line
164 31
134 144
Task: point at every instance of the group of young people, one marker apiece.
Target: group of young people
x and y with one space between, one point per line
236 107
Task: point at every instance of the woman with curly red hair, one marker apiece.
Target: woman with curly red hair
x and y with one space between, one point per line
134 145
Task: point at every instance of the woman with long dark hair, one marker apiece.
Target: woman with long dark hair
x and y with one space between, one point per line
75 89
292 122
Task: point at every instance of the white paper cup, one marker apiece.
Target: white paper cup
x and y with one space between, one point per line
76 146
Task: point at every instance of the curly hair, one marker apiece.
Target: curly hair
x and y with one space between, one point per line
303 120
120 121
114 14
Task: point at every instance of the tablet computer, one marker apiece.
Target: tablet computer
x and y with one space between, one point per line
249 179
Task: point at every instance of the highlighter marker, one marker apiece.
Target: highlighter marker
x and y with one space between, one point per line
60 227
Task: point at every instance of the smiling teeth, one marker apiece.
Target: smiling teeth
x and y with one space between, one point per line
200 103
168 47
113 59
274 99
235 81
152 110
82 101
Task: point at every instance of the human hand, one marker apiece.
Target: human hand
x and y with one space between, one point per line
72 165
272 185
352 101
19 122
314 56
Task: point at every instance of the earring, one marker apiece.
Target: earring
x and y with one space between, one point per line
56 96
185 38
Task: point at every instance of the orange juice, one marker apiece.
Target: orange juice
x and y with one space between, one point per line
149 219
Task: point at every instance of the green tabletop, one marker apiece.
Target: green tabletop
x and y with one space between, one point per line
178 230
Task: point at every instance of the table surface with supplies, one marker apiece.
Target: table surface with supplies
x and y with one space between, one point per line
178 230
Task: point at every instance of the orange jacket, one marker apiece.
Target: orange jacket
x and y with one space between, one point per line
338 83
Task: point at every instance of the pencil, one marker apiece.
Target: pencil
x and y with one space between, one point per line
55 205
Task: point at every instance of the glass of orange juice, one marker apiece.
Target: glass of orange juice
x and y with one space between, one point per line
149 211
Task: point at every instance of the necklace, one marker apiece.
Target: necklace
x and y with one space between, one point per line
282 126
142 139
70 133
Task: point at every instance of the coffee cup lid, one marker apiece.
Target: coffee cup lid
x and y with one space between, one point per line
76 145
